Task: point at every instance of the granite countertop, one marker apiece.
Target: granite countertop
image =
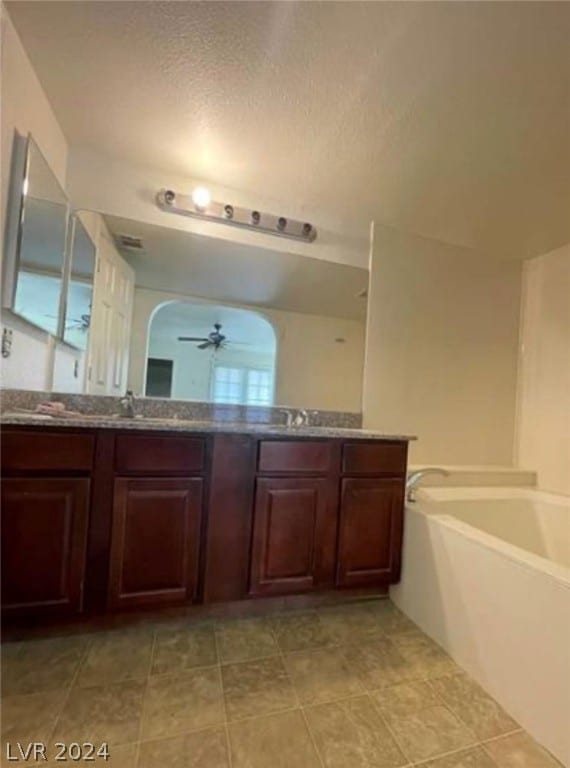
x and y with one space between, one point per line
186 425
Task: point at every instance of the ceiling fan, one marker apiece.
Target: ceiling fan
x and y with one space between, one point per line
214 340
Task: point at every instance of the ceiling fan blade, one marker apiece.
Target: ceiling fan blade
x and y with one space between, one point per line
192 338
205 345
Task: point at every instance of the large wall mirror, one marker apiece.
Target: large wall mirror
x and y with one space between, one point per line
37 237
173 314
220 321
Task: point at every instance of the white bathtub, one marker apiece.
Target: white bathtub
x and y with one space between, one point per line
486 573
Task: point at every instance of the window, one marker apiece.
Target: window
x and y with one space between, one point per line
248 386
259 386
227 384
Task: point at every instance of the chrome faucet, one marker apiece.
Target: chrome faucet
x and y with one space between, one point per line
127 405
301 419
414 479
298 418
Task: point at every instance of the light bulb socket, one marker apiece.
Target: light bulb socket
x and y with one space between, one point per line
169 196
281 223
229 211
255 217
307 229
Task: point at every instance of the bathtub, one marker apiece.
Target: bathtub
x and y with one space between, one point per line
486 573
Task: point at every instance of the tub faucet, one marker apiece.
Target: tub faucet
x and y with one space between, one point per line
127 405
414 479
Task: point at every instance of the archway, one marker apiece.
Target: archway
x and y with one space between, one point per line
188 360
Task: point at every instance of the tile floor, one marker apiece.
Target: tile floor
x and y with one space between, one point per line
351 686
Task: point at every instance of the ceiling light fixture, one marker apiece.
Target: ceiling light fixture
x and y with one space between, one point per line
200 205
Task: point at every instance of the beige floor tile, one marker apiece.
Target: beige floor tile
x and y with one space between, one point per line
30 717
201 749
351 734
378 664
424 658
351 623
180 703
429 732
389 619
276 741
475 707
115 657
177 649
41 665
322 675
243 639
405 699
257 688
300 631
123 756
104 713
468 758
519 750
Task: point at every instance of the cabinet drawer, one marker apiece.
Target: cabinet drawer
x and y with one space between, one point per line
55 451
156 454
374 458
294 456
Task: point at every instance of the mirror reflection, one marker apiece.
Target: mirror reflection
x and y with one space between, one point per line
80 286
42 240
219 321
169 313
205 352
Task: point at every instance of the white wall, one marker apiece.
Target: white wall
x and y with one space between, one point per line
25 109
543 434
441 356
313 371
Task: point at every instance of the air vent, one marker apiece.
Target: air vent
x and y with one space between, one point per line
129 242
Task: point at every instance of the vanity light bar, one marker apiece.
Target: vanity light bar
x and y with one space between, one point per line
200 207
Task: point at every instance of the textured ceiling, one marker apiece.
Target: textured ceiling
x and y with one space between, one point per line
219 270
451 120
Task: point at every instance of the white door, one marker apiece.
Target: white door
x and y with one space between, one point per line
110 319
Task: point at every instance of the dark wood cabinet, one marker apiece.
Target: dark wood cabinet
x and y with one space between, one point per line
155 541
98 520
44 539
370 531
293 535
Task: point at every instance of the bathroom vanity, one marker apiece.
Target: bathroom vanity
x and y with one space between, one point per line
104 515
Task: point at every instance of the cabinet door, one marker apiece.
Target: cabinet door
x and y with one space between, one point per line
44 539
155 540
293 535
370 532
